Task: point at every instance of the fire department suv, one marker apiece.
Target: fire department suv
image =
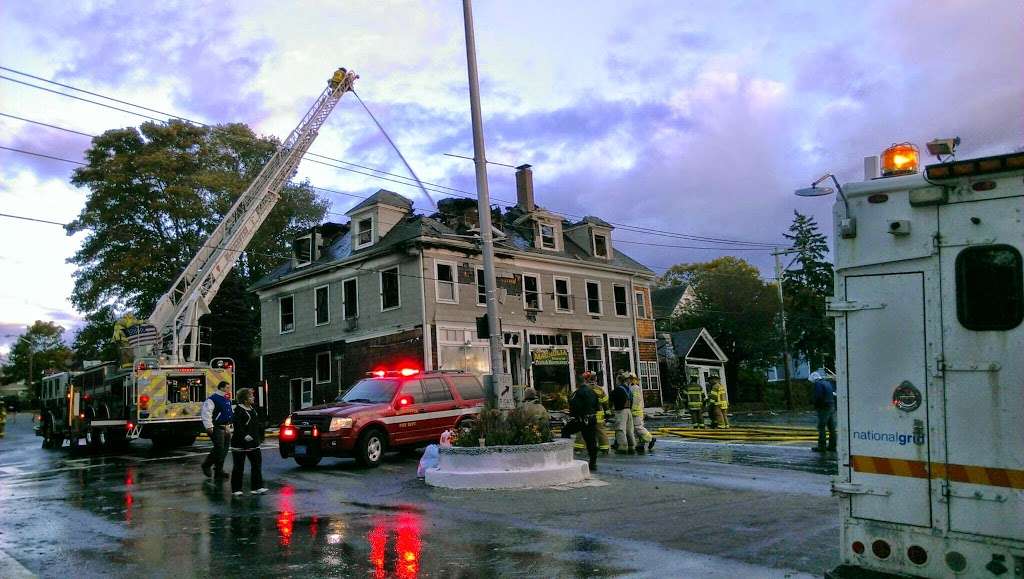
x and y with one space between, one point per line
388 409
929 300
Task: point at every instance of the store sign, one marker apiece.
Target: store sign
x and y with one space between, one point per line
554 357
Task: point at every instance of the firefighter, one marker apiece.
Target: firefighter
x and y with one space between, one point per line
693 396
337 78
625 441
718 399
583 407
590 379
643 436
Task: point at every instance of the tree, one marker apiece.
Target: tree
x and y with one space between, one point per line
736 306
41 347
805 288
94 340
156 193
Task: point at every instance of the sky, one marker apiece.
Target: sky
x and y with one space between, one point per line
681 116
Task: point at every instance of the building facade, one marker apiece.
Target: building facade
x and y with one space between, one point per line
391 289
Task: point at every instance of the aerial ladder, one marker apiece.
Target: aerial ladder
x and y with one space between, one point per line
176 315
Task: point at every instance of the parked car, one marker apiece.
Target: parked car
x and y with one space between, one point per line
387 410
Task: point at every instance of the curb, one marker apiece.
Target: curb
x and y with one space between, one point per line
10 568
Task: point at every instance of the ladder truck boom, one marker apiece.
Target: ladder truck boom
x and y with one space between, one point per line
176 315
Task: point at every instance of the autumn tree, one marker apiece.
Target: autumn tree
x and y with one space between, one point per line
156 192
805 285
95 340
735 305
43 342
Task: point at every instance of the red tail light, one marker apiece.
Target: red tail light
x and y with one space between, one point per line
144 402
129 426
316 432
287 433
408 371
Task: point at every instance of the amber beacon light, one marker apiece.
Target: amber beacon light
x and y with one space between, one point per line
901 159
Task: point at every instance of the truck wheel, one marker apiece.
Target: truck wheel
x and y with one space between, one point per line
307 461
370 448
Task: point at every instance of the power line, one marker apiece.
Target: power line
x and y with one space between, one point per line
23 151
639 229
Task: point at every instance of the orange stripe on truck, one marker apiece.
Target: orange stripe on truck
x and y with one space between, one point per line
980 475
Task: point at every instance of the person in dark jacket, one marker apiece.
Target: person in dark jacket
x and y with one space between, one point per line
583 407
824 399
622 402
216 417
245 444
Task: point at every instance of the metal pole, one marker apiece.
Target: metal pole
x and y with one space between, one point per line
483 198
785 338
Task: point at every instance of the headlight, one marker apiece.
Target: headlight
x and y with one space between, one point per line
339 423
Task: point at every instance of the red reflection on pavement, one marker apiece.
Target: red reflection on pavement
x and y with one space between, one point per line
129 477
314 526
285 515
378 545
407 546
129 500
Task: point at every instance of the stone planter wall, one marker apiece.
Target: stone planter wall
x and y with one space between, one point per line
507 467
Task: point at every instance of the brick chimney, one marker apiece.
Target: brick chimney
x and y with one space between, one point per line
524 188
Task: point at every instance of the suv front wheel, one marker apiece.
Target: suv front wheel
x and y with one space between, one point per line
370 448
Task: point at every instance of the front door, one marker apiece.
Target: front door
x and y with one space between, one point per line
886 358
983 355
620 353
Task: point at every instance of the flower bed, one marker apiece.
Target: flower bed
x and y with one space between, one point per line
507 467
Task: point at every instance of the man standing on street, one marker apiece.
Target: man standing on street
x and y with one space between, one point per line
583 407
825 404
625 438
590 380
718 399
217 415
644 439
693 396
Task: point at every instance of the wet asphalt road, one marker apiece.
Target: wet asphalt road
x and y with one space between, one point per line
691 509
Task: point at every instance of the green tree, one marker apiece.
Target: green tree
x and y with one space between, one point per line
43 342
736 306
94 340
805 288
156 192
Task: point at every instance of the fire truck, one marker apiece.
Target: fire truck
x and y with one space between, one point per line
928 305
158 388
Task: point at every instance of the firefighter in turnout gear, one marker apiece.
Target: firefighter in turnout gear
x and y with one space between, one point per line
692 395
643 436
718 399
590 379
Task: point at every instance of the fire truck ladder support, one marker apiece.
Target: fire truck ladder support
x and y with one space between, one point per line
176 315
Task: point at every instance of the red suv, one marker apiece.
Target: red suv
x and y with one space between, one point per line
388 409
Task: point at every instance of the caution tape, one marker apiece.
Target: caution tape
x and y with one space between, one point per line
743 433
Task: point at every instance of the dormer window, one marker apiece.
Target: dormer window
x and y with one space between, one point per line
600 245
548 236
364 232
302 249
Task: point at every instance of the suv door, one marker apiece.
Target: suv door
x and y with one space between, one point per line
440 407
407 424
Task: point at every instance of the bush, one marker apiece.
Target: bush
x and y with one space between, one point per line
515 428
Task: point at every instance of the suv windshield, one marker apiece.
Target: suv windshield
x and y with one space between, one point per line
371 390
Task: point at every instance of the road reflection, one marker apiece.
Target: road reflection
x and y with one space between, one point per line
406 529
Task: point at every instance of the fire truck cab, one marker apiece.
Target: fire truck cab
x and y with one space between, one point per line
928 305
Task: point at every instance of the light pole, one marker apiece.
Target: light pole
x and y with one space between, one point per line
778 253
500 382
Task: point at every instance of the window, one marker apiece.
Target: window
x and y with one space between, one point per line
619 343
303 250
444 282
350 298
549 340
322 298
413 388
531 292
436 390
323 367
593 356
600 245
186 389
364 232
458 349
594 298
649 376
989 292
619 293
469 387
481 288
286 307
563 295
389 294
547 237
641 305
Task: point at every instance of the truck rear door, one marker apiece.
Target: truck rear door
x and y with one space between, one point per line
886 358
983 361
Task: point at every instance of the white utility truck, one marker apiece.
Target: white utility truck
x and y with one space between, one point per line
928 305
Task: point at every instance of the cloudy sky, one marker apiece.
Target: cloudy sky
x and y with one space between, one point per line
689 117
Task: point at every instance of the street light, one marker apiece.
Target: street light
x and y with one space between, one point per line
847 224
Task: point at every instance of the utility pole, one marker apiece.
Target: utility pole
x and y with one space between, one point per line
778 253
500 389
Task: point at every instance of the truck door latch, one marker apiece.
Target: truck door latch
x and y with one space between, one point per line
836 308
846 489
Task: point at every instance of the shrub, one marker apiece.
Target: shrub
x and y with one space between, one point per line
497 429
